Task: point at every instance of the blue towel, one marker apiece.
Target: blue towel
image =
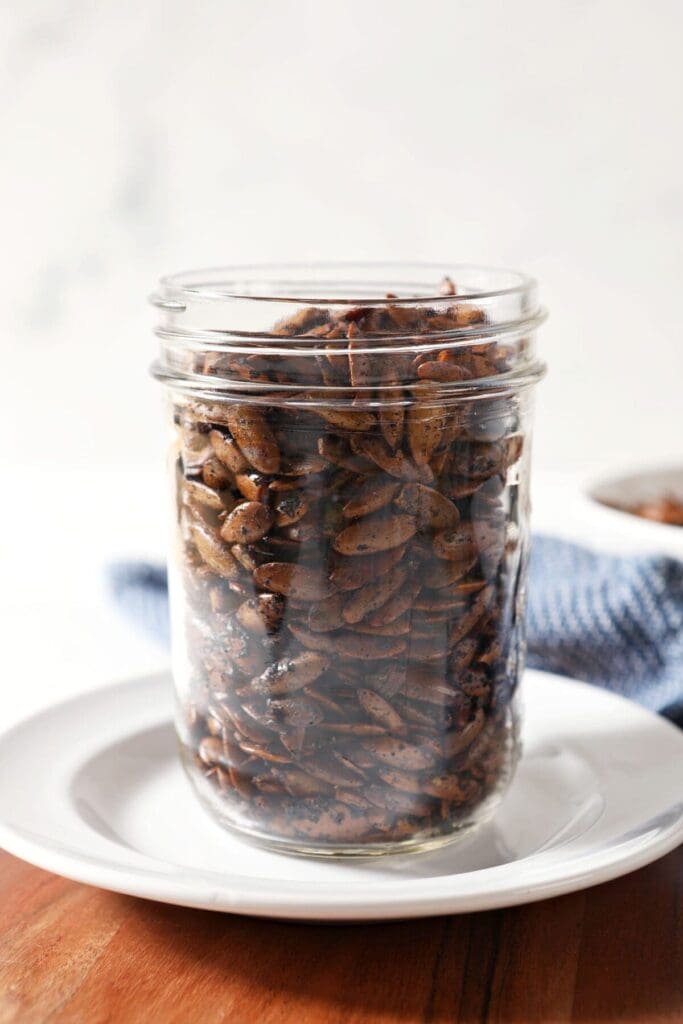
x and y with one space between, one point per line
613 621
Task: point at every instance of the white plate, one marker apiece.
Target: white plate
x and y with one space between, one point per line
91 789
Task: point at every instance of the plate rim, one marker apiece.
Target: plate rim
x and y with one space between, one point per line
295 899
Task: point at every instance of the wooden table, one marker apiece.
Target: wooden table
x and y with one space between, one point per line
70 954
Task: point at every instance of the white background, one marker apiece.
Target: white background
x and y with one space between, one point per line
146 137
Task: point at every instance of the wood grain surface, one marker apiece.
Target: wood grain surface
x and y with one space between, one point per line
70 954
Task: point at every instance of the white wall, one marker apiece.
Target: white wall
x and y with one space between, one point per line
143 137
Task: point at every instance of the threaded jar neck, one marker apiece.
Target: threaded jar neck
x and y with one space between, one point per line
282 333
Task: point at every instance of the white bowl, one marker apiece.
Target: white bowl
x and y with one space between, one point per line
629 488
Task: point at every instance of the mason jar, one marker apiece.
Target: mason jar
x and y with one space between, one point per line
350 468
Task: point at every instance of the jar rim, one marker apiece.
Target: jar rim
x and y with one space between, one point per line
233 283
246 312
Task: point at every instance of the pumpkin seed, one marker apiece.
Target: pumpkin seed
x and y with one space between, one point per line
290 674
431 508
351 573
372 495
214 552
375 533
247 523
373 595
194 491
380 709
261 614
250 430
455 545
227 452
398 753
294 580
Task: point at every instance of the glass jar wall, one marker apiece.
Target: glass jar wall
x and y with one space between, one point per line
350 464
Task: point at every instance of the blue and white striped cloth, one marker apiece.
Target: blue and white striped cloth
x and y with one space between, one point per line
613 621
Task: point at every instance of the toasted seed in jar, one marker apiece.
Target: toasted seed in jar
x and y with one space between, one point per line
397 627
193 446
335 772
372 495
479 459
306 529
345 419
293 580
305 320
214 552
290 507
300 783
445 573
327 703
353 728
462 626
475 683
373 595
396 606
391 411
261 614
245 556
337 451
462 655
247 523
400 780
395 463
335 823
214 474
398 801
424 429
446 786
249 428
227 452
380 709
265 753
194 491
366 648
513 449
362 363
277 549
441 600
428 649
312 641
253 486
418 686
290 674
456 544
468 587
458 740
304 465
398 753
375 533
327 615
432 509
239 649
466 315
287 483
443 371
462 487
211 750
349 573
290 713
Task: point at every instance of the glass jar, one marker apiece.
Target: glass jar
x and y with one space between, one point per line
350 463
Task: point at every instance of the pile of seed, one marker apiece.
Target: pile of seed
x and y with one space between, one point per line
353 584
